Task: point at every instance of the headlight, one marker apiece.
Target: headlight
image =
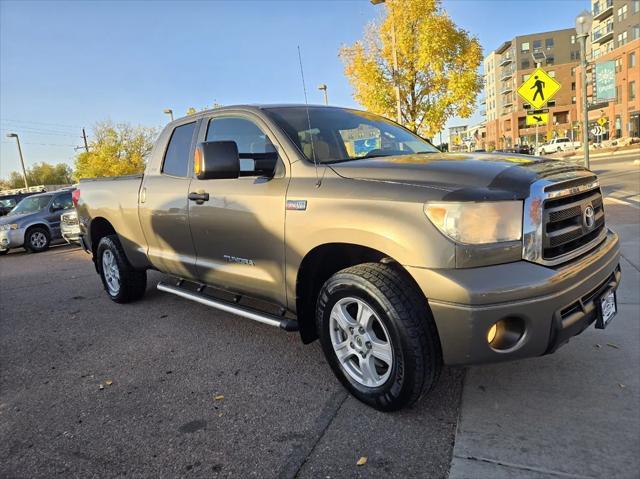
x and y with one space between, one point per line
477 223
12 226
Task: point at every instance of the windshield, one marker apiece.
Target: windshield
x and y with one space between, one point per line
341 135
7 203
30 205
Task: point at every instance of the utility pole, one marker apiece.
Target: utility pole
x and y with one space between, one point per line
24 171
323 88
84 137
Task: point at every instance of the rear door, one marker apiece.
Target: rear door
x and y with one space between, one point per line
239 233
163 205
59 205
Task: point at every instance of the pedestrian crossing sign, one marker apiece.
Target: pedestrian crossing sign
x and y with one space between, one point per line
537 119
538 89
602 120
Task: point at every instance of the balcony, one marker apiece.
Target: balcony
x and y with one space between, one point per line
506 73
506 88
483 112
602 10
506 59
602 34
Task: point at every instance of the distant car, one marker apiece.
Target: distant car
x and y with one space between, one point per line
70 227
34 222
556 145
523 149
10 198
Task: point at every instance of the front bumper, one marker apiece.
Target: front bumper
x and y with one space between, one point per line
11 239
71 234
554 304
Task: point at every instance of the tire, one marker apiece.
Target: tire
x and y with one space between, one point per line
121 281
3 252
37 240
400 328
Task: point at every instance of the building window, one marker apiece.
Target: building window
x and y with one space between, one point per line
632 59
618 126
525 78
575 55
573 71
551 103
635 32
573 100
573 86
622 38
618 94
548 43
552 73
524 64
550 60
636 6
618 65
573 39
537 44
525 47
622 13
632 90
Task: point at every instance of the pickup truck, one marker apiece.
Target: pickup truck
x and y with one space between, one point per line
349 228
556 145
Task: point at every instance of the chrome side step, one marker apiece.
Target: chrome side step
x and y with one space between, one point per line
271 320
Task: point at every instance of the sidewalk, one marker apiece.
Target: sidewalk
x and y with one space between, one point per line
574 414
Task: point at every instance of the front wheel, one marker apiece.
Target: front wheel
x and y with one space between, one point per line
37 240
121 281
378 335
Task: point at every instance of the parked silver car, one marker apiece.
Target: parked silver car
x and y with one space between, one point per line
35 222
69 227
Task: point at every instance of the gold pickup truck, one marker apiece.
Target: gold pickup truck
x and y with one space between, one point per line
346 227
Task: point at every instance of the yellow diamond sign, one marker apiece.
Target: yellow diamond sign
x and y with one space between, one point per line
602 120
538 89
538 119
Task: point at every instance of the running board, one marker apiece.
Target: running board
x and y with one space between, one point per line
271 320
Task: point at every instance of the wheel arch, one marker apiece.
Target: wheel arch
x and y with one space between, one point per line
318 265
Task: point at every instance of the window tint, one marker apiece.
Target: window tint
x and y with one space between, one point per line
176 159
62 202
254 146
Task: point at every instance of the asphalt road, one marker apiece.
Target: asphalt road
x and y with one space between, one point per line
161 362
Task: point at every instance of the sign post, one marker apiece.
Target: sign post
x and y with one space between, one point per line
537 118
537 90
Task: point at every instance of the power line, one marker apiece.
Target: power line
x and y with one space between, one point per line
32 131
39 123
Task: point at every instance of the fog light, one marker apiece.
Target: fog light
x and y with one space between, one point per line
491 335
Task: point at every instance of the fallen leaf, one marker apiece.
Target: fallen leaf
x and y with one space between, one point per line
101 387
220 415
108 382
614 346
622 386
597 346
219 397
362 461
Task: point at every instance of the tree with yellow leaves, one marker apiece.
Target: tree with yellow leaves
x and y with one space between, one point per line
437 66
116 150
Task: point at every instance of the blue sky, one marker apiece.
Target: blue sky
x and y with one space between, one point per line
65 65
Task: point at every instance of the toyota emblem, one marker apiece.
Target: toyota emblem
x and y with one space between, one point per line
589 217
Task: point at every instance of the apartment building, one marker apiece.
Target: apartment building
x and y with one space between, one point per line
507 67
615 36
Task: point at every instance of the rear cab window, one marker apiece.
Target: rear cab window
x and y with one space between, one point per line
176 158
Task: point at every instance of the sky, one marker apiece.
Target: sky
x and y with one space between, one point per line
68 65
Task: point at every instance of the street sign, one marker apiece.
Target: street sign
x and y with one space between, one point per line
538 89
605 81
602 121
537 119
597 130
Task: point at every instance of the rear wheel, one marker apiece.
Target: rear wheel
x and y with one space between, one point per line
378 335
3 252
121 281
37 240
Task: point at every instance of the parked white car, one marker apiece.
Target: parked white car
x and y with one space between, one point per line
556 145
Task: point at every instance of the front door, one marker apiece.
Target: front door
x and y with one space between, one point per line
238 233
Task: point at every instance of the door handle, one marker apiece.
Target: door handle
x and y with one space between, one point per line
199 197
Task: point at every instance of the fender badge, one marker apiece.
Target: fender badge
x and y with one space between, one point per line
298 205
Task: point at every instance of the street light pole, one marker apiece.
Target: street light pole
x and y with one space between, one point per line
323 88
169 111
394 54
24 171
583 27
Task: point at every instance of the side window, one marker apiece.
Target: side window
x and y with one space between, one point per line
257 154
176 158
62 202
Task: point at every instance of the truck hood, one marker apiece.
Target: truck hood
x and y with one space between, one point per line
459 176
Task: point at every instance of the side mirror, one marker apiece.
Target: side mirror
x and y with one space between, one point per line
217 160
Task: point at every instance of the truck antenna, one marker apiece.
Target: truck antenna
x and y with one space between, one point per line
306 102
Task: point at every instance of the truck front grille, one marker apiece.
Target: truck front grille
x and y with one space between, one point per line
563 218
566 228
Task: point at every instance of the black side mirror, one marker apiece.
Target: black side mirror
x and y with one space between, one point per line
217 160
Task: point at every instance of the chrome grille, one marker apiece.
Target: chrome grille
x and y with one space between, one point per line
554 227
70 220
